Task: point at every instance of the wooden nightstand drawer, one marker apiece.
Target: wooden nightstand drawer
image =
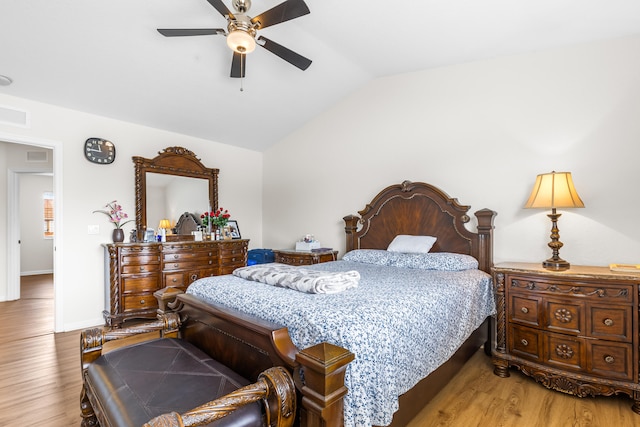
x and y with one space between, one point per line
526 342
564 316
304 257
610 322
611 360
526 309
564 352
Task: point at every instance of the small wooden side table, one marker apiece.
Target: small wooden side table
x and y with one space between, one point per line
292 257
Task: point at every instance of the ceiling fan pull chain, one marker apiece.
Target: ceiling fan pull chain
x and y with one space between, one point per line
242 59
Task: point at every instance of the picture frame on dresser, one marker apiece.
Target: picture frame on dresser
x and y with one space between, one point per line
235 230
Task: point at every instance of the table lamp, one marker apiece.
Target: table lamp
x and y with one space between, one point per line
554 190
164 224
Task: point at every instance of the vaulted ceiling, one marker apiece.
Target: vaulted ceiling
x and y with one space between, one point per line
106 57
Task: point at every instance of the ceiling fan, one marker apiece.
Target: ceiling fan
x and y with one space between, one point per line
242 29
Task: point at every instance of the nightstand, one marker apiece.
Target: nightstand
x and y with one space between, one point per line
304 257
575 331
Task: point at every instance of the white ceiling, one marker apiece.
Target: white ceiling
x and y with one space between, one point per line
106 57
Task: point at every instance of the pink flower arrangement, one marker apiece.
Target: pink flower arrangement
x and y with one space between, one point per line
115 213
219 218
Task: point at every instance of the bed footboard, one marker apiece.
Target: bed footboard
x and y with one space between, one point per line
249 346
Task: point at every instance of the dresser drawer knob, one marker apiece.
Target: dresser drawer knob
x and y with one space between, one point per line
174 280
176 256
608 322
525 310
210 262
176 265
142 302
524 342
609 359
142 268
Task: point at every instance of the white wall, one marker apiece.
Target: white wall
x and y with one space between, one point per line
481 132
36 251
88 187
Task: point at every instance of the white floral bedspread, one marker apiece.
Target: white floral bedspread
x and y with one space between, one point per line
401 324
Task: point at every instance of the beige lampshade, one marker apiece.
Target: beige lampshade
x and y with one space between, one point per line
164 223
554 190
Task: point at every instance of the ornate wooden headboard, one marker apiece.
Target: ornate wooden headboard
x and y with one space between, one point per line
420 209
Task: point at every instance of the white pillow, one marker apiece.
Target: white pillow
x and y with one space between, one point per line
411 244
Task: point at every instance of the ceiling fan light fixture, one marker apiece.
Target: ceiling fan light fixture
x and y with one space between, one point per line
241 41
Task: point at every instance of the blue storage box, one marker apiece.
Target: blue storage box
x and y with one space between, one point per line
260 256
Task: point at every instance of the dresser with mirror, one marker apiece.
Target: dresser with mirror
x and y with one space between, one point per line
174 185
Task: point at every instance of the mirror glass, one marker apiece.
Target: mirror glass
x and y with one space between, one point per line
169 196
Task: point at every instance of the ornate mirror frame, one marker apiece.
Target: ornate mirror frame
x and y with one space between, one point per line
171 161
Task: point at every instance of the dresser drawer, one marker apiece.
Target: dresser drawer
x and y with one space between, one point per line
189 256
139 302
185 278
140 268
188 264
136 284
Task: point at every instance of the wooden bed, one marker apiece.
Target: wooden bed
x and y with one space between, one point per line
250 345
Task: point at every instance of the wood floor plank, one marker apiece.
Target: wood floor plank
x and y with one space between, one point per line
40 383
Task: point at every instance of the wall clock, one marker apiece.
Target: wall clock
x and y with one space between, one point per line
99 151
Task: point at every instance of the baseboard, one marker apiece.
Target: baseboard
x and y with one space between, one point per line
35 272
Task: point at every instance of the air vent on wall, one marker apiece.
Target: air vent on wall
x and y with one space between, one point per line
14 116
37 156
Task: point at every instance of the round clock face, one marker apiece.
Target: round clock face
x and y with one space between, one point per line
100 151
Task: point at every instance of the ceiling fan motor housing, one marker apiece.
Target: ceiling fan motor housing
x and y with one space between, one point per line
242 6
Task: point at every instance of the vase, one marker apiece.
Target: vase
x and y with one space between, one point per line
118 235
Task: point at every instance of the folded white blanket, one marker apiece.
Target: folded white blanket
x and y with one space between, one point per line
300 279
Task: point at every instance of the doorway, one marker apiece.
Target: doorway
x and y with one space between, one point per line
13 224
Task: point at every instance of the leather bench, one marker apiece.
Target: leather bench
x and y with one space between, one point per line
132 385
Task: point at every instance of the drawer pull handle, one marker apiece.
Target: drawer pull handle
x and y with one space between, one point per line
142 302
174 280
210 262
176 256
524 342
525 310
176 264
608 322
142 268
609 359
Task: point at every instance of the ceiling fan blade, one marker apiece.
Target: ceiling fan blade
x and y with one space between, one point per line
176 32
285 53
220 7
238 65
285 11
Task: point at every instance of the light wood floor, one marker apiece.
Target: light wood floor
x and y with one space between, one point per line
40 381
